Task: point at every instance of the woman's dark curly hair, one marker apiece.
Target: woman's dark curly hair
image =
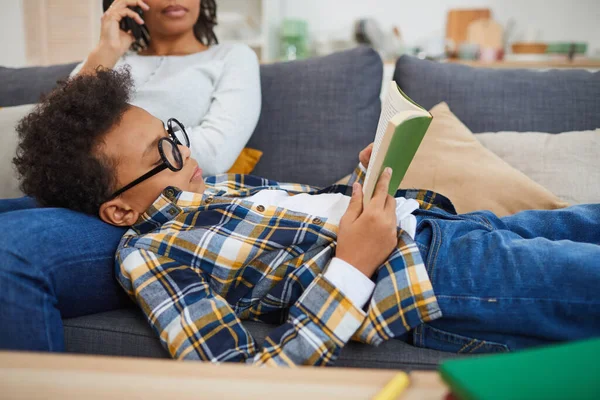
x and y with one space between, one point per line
58 159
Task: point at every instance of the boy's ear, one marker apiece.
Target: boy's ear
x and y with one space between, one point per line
117 212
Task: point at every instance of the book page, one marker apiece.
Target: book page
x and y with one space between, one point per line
394 102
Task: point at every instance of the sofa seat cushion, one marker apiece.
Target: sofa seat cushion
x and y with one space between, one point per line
126 333
492 100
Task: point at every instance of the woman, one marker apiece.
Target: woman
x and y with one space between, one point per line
212 89
55 263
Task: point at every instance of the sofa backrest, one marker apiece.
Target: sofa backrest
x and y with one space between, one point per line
492 100
25 85
316 114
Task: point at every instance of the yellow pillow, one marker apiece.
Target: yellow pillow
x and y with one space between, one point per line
452 162
246 161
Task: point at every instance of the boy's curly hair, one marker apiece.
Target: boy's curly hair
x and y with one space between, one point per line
58 159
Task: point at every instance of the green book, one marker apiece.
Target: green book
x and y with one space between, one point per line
568 371
401 128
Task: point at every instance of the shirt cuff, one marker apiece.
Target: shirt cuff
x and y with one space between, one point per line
351 282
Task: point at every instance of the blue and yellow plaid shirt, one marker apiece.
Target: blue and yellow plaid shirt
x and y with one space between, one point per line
199 264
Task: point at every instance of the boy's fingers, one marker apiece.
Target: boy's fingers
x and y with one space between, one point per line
390 206
381 189
356 203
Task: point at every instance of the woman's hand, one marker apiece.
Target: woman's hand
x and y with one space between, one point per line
114 42
365 155
367 237
112 38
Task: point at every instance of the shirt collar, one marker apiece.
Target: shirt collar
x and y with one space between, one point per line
168 205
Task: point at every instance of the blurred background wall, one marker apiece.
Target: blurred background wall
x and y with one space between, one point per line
12 34
423 21
330 24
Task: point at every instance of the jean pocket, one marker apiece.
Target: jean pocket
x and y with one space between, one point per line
432 338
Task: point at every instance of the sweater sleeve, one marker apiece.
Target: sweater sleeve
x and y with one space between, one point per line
232 116
77 69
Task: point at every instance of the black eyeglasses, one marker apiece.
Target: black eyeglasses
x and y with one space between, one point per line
169 154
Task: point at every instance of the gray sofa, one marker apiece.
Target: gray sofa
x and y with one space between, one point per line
316 116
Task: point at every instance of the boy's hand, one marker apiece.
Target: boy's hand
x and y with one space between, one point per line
365 155
367 237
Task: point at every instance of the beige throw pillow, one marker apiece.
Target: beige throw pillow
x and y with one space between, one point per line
567 164
9 117
450 161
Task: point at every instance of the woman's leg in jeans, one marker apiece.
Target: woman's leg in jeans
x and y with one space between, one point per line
21 203
54 263
503 283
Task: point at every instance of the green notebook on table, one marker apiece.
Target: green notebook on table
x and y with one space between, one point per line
568 371
401 128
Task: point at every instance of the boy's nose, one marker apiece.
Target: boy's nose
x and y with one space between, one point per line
185 151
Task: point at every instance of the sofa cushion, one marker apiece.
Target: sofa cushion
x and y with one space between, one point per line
127 333
567 164
492 100
25 85
317 115
452 162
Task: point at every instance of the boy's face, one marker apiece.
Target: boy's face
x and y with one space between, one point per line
133 147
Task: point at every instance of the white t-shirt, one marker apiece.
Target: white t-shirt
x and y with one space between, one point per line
215 93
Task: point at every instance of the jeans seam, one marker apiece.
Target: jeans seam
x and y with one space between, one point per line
478 346
416 336
436 243
486 222
458 339
46 326
486 299
466 346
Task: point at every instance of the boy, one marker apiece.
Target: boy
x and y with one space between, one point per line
203 255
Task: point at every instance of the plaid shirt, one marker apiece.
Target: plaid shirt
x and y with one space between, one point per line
200 264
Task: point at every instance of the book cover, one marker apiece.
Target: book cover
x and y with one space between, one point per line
401 128
567 371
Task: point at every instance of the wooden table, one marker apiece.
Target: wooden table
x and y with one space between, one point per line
48 376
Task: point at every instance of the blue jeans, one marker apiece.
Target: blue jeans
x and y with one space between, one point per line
513 282
54 263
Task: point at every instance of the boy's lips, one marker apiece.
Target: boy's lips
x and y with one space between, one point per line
175 11
196 175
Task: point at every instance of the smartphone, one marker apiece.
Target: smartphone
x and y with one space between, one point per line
139 32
